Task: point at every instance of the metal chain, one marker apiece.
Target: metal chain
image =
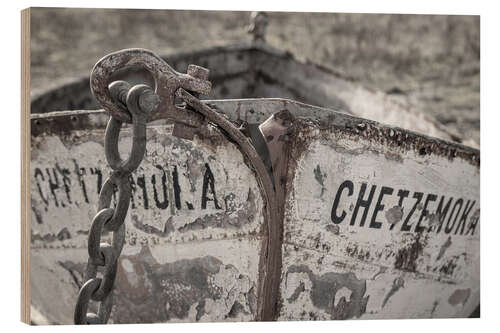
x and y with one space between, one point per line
138 101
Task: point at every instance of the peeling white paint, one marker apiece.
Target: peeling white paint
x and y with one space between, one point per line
228 234
370 253
343 292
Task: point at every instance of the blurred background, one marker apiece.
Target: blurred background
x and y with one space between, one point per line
430 62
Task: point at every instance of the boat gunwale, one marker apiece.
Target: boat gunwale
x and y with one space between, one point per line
59 122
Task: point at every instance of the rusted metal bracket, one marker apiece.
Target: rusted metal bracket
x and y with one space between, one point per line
272 141
167 83
264 148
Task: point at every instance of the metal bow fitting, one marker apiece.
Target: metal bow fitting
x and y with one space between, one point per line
138 105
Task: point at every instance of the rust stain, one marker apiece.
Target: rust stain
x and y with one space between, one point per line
406 257
444 247
398 140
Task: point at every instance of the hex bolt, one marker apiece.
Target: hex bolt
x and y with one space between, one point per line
198 72
149 101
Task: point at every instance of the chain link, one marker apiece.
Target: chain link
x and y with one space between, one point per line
103 257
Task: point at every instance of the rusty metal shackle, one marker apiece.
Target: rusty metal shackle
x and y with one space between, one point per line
167 83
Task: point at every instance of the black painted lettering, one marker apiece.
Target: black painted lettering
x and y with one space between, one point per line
449 227
66 180
441 212
80 172
160 204
208 182
379 206
424 213
177 188
39 174
141 182
474 220
406 226
53 184
345 185
464 216
98 173
361 202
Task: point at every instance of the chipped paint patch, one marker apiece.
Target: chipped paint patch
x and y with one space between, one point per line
155 292
211 281
394 215
459 296
339 295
